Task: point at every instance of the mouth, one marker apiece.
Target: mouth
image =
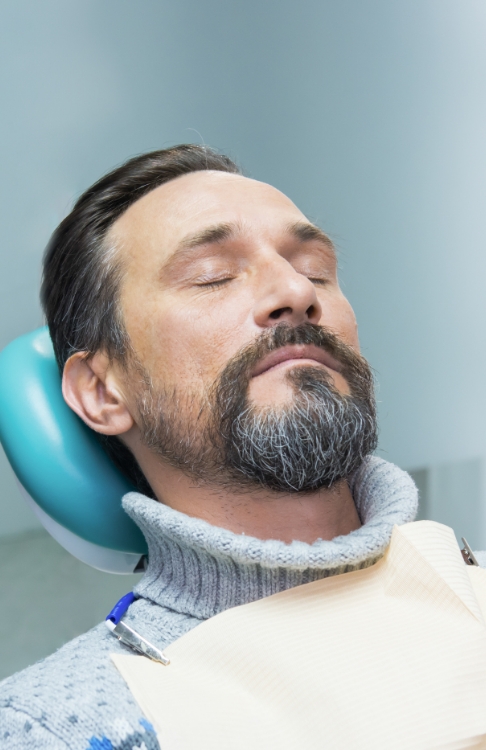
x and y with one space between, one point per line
296 354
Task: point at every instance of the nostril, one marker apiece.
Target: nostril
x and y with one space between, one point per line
311 312
276 314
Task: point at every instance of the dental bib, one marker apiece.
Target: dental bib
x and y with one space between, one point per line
390 656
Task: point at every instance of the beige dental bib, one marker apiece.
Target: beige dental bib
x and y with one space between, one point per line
392 656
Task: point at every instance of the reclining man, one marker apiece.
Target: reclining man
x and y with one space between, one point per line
197 318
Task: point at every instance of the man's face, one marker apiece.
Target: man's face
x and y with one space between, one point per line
244 367
212 260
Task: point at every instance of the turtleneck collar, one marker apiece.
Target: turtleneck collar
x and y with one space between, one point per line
200 570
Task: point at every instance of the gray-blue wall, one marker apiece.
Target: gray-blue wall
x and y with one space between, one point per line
370 114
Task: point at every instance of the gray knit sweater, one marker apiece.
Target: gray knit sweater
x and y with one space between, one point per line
77 699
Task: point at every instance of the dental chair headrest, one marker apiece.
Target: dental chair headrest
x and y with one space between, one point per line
64 473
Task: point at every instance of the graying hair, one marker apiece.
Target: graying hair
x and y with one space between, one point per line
220 438
322 438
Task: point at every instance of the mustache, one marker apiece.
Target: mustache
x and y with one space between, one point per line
354 368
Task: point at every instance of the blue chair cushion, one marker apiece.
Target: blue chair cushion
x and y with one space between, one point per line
56 457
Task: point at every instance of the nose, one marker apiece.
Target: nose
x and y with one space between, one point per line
286 296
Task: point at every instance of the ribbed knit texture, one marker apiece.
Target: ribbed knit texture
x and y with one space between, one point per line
199 569
77 699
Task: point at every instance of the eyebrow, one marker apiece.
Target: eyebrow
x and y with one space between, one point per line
301 230
209 236
306 232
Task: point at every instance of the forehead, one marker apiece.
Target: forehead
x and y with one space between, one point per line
190 203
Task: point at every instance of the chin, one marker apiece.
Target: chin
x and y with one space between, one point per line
278 394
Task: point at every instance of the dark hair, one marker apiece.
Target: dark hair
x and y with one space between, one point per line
81 273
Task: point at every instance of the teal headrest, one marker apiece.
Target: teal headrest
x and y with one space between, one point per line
56 457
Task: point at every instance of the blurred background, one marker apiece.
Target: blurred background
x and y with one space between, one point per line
369 114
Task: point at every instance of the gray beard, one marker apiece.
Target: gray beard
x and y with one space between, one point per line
221 439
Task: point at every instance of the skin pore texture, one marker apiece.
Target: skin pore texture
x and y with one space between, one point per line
210 261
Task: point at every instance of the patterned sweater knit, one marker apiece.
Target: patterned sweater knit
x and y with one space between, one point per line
77 699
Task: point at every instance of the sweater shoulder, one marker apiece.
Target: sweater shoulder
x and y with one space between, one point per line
76 697
19 731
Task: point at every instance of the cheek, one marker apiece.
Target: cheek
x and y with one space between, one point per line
338 315
185 343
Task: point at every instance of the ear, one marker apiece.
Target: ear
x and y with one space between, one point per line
90 387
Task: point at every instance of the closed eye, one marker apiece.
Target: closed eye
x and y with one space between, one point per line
214 284
322 282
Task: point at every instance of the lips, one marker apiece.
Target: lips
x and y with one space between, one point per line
296 352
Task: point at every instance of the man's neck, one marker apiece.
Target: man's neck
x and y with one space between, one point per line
323 514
